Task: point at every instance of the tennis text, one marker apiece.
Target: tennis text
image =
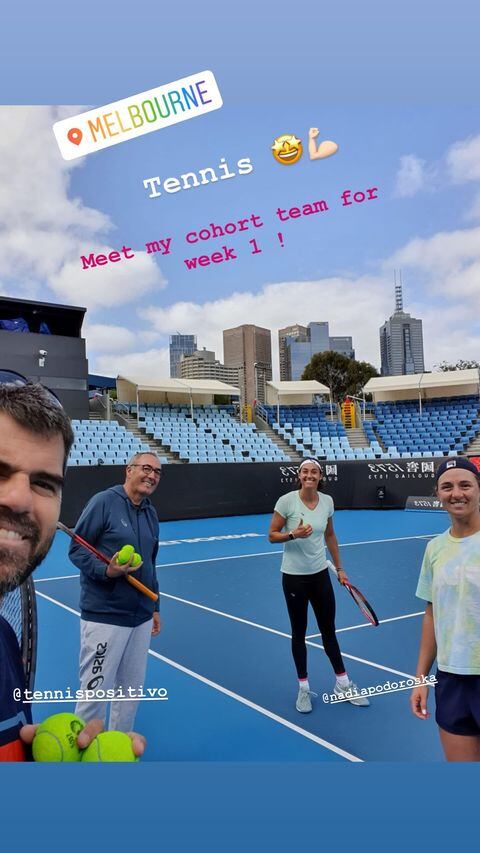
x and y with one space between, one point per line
121 693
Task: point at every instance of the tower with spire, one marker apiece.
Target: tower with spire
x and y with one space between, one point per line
401 339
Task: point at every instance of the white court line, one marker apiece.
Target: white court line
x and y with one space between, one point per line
395 539
267 553
264 627
279 633
58 578
369 624
54 601
216 559
243 701
259 708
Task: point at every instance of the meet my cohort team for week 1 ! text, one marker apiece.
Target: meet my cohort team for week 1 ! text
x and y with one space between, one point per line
163 246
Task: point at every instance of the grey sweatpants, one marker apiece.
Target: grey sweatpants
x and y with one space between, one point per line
112 657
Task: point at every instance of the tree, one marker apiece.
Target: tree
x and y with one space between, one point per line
344 376
462 364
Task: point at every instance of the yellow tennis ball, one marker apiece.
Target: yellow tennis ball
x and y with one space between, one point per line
110 746
136 560
56 738
125 554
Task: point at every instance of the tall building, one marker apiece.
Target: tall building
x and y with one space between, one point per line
203 365
249 348
180 345
342 344
401 341
299 350
294 332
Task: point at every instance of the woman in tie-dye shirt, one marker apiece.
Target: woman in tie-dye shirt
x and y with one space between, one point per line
450 583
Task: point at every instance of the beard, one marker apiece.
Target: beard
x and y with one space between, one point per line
15 568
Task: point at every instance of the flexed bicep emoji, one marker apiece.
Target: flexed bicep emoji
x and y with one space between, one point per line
325 149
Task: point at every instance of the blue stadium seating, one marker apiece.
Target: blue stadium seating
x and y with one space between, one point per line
212 435
103 443
445 427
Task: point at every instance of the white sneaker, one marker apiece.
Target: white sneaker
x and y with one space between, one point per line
304 703
350 693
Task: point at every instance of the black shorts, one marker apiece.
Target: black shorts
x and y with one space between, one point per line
458 703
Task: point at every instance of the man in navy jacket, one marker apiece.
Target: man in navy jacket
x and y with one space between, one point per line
117 620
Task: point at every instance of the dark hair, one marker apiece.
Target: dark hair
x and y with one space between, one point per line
320 483
32 407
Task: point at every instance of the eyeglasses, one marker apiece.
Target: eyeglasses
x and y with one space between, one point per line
15 380
147 469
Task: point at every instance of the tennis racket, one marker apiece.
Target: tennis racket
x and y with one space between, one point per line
19 608
83 542
358 598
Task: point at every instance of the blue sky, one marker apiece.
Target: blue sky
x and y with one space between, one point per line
395 132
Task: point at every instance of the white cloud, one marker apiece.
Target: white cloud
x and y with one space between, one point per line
106 286
354 307
411 176
460 164
152 364
463 160
43 231
445 268
103 338
443 253
446 265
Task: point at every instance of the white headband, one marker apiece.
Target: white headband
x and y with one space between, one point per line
310 462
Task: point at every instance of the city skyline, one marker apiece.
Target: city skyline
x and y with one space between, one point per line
203 363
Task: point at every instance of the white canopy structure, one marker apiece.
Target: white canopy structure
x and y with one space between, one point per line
196 391
425 386
295 393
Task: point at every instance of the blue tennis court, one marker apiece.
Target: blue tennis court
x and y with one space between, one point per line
223 654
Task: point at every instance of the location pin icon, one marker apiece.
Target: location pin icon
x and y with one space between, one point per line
75 135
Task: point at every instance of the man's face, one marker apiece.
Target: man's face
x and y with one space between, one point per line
31 477
140 481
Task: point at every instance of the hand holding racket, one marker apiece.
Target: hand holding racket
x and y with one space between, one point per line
117 570
357 596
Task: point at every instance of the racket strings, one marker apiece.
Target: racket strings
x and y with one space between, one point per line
11 610
363 604
19 610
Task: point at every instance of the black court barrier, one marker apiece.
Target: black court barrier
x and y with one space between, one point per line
209 490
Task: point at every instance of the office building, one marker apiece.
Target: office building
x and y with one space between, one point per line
295 332
300 349
180 345
203 365
342 344
249 348
401 342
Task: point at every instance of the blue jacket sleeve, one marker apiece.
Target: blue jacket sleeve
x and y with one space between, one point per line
89 527
155 576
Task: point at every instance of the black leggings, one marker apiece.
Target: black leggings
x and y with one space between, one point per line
317 589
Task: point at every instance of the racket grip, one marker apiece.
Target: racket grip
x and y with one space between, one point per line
142 588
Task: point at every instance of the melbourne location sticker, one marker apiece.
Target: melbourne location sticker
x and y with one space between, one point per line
168 104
